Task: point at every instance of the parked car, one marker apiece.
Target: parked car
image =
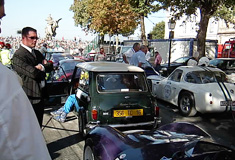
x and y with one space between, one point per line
175 141
59 81
182 61
114 94
195 89
56 57
65 69
225 64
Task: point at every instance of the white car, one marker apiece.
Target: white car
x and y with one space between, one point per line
195 89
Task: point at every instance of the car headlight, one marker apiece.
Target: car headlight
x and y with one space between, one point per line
164 69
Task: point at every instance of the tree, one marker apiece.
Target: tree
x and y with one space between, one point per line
105 16
158 31
208 8
143 8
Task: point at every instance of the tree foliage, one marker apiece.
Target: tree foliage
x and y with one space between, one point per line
158 31
105 16
208 8
143 8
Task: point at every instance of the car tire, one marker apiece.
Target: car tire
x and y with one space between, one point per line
81 125
187 104
88 152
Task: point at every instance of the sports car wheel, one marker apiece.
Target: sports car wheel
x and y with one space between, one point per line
88 153
187 104
81 125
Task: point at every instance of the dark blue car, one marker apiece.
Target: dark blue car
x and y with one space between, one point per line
175 141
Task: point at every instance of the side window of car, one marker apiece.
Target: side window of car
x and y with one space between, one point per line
176 76
192 77
84 81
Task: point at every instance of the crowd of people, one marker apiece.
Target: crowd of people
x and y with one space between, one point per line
69 46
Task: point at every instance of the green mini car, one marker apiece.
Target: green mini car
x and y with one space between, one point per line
114 94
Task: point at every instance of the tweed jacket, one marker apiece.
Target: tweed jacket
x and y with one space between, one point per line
24 62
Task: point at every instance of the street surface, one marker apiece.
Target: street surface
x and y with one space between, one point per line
64 143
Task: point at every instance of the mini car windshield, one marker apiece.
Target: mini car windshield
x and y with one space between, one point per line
202 77
120 82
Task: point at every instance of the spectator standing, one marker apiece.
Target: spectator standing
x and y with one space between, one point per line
128 54
43 49
2 45
28 63
5 55
138 59
101 55
158 60
148 55
21 137
194 60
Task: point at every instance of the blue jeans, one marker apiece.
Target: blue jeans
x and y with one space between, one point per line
71 100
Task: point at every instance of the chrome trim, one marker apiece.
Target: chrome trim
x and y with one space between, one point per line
155 123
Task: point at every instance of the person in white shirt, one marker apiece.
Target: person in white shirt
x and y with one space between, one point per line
128 54
138 59
194 60
20 134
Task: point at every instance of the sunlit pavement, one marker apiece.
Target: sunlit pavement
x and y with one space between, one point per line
63 140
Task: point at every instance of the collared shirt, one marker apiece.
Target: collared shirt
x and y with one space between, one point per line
139 57
43 83
158 60
21 137
148 56
129 53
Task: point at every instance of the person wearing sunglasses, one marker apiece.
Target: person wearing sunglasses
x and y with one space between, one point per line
20 133
30 65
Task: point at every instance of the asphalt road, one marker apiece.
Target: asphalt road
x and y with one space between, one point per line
64 142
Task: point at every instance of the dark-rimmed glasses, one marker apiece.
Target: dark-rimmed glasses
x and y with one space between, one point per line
33 38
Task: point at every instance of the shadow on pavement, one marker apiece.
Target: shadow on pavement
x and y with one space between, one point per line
55 146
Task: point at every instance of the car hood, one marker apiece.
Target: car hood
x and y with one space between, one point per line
150 144
156 77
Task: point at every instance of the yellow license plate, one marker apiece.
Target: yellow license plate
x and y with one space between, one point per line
129 112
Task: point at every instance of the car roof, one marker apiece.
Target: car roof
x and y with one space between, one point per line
225 59
198 68
70 60
61 54
109 67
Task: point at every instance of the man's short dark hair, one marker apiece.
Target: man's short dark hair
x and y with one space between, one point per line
25 31
1 2
135 44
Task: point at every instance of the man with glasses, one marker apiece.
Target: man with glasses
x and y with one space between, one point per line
31 66
20 133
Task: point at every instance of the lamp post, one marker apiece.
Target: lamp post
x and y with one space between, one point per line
171 26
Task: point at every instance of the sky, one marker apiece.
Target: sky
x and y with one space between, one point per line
33 13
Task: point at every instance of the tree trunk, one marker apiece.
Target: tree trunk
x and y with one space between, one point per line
142 26
201 36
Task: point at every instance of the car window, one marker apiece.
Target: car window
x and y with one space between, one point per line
84 81
119 82
202 77
176 75
191 77
181 60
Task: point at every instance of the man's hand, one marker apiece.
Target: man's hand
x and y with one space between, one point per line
40 67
